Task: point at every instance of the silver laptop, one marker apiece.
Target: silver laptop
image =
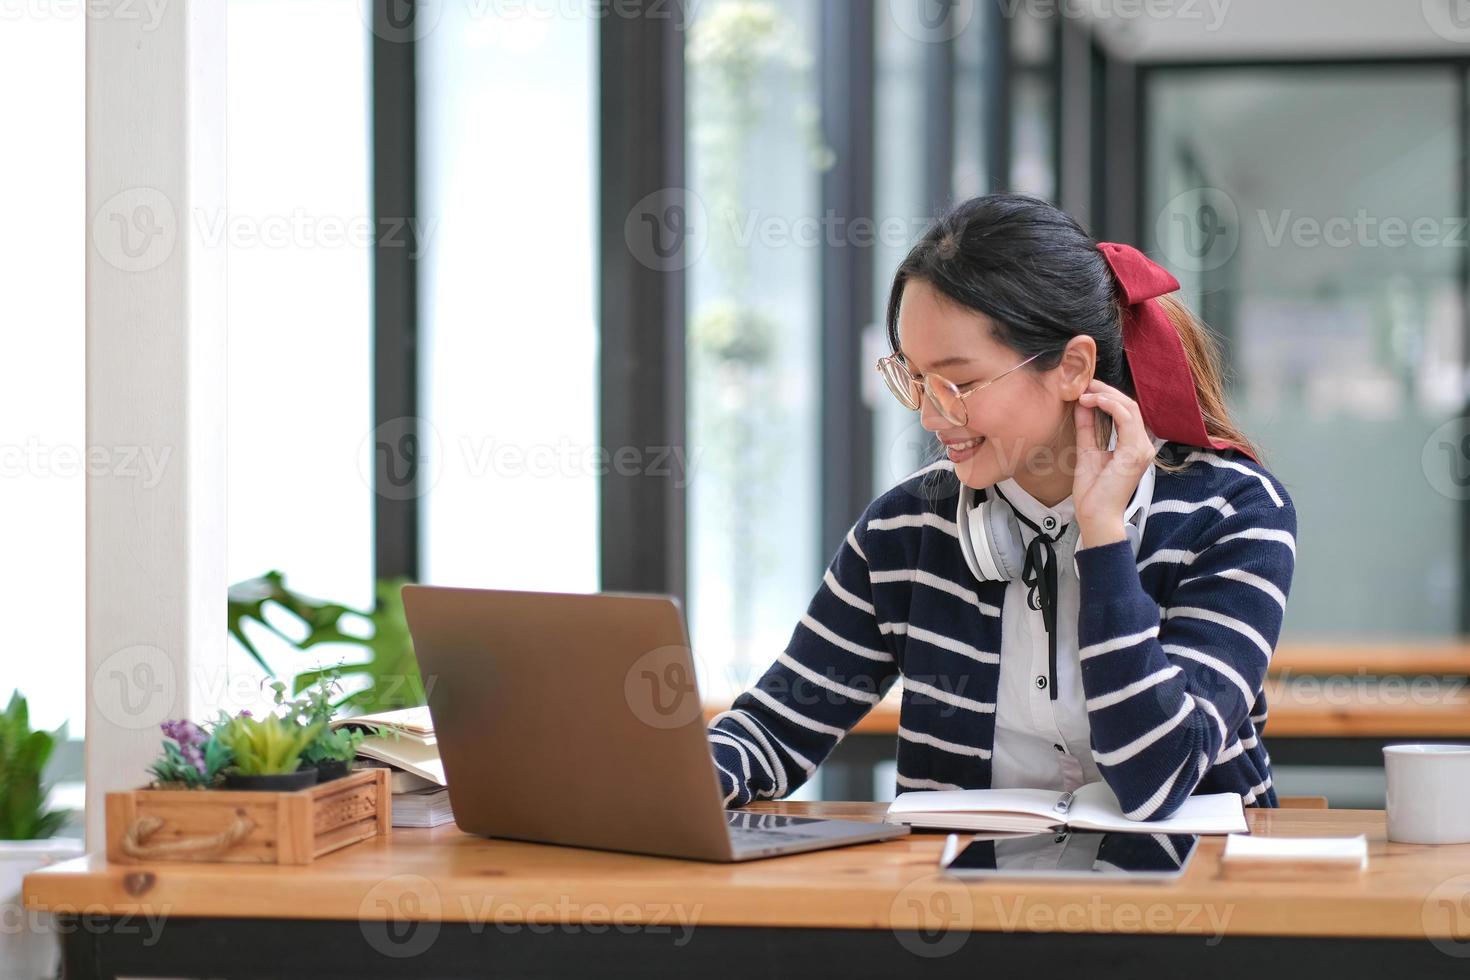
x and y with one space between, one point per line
576 719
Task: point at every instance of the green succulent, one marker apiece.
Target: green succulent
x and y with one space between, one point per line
268 746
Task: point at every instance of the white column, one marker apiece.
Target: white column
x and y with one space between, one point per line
155 380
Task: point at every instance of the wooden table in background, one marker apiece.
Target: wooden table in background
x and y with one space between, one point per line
1329 704
444 904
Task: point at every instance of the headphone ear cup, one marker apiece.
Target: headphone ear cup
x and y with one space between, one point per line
990 538
1004 532
1135 537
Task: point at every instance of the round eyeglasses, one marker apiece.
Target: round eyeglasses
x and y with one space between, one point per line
945 395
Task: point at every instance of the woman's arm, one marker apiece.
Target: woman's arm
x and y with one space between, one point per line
1168 688
835 668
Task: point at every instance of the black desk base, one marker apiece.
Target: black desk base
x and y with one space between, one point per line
263 949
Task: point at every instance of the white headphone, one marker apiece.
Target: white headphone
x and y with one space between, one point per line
990 533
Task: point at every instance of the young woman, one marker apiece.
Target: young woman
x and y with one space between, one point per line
1088 585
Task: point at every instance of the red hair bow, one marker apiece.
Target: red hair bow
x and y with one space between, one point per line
1162 380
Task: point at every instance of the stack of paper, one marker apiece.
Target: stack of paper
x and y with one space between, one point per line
424 808
1295 853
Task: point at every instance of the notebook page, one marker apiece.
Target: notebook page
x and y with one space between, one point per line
1096 808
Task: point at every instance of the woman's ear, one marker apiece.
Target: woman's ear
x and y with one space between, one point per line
1077 367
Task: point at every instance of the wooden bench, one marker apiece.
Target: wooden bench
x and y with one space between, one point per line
1328 704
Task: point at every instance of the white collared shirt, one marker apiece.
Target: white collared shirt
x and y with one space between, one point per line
1041 743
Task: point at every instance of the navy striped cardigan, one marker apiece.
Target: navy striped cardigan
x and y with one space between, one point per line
1173 646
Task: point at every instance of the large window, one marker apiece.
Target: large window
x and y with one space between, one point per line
507 194
755 157
42 400
298 230
1315 217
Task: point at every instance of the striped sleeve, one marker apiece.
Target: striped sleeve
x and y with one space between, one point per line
1169 690
836 666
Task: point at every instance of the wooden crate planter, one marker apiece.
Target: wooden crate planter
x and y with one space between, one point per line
245 826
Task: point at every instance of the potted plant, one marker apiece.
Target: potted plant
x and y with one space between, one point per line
27 840
181 816
265 753
332 752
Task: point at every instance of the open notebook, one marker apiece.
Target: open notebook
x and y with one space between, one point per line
408 745
1032 811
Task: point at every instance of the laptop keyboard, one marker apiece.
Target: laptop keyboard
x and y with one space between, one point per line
755 838
764 829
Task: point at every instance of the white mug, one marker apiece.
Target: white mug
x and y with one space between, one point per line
1428 798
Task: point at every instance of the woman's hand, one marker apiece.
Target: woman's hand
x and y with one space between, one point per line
1106 480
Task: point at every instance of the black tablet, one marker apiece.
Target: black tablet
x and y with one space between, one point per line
1070 854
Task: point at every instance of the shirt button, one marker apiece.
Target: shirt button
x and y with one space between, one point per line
1049 523
1041 682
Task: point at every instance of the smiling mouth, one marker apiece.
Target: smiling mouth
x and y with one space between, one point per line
959 447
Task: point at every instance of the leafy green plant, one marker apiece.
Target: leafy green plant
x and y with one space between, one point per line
268 746
390 668
339 745
23 755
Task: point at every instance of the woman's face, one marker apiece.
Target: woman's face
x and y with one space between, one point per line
1020 427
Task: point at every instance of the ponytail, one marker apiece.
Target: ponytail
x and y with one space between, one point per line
1202 350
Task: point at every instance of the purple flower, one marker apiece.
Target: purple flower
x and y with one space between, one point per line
195 758
186 733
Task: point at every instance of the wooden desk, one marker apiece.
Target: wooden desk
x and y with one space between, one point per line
440 903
